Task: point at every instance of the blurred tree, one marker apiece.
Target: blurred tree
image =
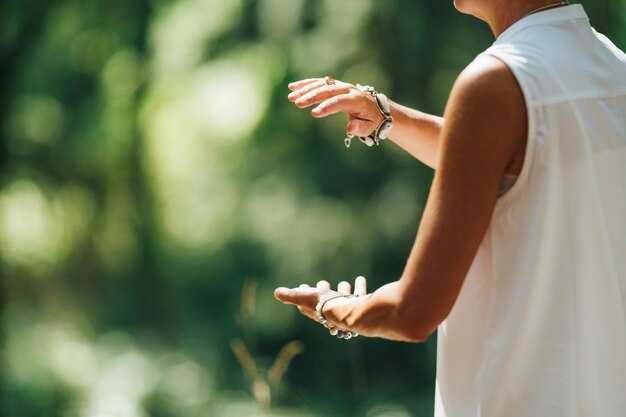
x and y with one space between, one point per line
150 165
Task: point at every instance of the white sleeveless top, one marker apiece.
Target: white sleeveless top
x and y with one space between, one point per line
539 328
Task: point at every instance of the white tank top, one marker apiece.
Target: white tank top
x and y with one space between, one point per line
539 328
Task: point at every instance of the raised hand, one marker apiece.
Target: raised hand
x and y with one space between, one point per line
338 97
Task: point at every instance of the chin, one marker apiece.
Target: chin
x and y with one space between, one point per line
461 6
468 7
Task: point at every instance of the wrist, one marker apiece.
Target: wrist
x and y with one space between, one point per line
385 127
331 311
384 120
335 311
321 307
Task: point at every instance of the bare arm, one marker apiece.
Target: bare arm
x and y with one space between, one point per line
485 128
417 133
414 131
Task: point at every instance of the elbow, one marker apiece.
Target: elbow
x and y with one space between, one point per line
416 333
416 327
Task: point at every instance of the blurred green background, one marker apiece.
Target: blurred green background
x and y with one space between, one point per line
156 185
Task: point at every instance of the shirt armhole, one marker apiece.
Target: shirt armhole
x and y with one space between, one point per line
506 199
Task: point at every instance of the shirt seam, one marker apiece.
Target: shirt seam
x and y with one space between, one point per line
579 97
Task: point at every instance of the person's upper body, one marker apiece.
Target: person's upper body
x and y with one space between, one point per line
539 328
528 288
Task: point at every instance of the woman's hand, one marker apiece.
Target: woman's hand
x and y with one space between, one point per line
339 97
306 298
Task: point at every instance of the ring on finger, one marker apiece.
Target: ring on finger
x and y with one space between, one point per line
328 80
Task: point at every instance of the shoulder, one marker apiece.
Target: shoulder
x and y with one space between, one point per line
487 92
488 79
486 116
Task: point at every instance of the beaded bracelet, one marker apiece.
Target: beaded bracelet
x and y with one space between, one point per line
334 331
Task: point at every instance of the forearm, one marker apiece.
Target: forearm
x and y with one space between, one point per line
377 315
417 133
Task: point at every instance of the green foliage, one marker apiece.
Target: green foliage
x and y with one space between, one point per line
150 166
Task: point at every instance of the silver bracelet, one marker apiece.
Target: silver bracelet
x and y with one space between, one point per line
334 331
383 130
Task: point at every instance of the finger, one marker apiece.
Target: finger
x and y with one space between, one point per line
299 84
344 287
321 94
360 286
345 103
297 296
360 127
323 285
308 88
295 95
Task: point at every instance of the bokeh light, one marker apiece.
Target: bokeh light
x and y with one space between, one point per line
156 185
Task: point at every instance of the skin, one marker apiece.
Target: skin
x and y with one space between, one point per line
483 132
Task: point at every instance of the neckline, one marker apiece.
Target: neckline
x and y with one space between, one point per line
547 7
571 12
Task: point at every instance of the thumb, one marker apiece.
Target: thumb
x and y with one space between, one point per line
359 127
291 296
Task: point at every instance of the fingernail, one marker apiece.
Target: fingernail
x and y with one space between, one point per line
315 112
